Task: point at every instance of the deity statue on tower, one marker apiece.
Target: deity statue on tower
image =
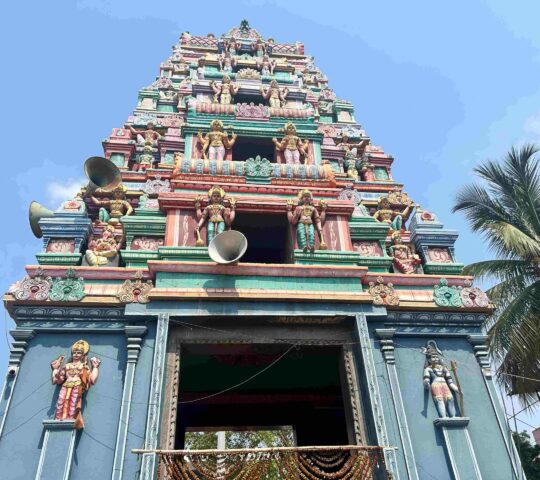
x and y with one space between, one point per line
438 379
118 206
103 249
75 378
226 62
216 141
266 66
306 218
275 96
215 213
385 214
292 146
224 92
404 260
146 137
259 48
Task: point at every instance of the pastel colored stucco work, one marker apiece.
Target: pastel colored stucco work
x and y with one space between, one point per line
242 257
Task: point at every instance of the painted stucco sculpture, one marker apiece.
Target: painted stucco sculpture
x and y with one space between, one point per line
215 214
74 378
307 220
216 142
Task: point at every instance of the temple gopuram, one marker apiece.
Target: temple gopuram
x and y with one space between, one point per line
242 260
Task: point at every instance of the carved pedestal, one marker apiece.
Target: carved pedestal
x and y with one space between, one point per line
57 450
459 448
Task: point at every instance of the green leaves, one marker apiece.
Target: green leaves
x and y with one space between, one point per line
505 209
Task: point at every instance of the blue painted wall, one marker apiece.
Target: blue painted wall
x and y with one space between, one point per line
34 400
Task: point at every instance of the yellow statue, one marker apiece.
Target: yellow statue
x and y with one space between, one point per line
217 215
292 146
216 141
118 206
275 96
75 378
224 92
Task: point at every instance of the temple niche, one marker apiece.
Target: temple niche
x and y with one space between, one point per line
258 295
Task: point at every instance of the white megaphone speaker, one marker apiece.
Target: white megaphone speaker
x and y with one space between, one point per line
102 173
227 247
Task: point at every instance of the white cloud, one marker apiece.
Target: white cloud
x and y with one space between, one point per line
58 192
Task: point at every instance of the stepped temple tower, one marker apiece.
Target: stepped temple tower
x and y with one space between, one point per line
243 261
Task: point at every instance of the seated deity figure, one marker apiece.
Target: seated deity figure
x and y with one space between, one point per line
226 62
146 137
215 213
275 96
103 250
216 141
224 92
366 169
118 206
75 378
144 160
385 214
349 162
292 146
404 260
266 66
307 219
438 379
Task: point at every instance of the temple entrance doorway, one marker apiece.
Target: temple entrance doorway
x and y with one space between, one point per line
262 387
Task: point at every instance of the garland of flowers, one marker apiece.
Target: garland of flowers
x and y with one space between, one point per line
325 464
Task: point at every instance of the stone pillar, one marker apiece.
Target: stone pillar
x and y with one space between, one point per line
481 352
149 463
459 448
375 402
386 336
134 340
16 354
57 450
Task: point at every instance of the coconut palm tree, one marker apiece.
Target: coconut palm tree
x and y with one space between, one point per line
505 209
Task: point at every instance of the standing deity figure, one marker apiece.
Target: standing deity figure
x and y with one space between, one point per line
232 46
404 260
75 377
259 48
146 137
292 146
438 379
215 213
266 66
224 92
226 62
118 206
144 160
200 68
307 219
216 141
349 162
274 95
366 169
385 214
103 249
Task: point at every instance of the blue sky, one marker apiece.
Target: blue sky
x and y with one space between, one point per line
440 85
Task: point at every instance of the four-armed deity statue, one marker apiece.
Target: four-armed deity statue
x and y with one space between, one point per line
292 146
306 218
75 378
117 207
404 260
224 92
216 141
275 96
215 214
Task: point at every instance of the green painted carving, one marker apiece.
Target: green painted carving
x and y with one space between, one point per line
67 289
381 173
258 167
445 296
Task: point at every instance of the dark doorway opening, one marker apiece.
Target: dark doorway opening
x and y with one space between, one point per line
245 148
268 236
302 389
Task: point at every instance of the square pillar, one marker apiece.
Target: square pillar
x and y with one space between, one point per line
459 447
57 450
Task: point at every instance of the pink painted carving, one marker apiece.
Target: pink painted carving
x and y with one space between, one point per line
368 249
439 255
147 243
61 245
